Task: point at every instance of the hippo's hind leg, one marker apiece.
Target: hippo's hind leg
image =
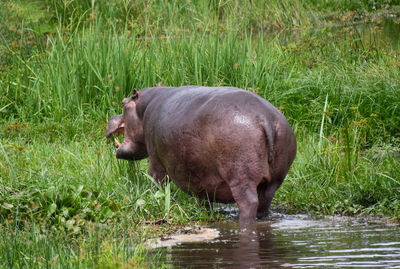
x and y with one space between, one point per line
245 195
266 192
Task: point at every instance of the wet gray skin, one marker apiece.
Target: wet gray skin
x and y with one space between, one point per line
219 143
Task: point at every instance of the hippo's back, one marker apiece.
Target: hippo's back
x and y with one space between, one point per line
181 105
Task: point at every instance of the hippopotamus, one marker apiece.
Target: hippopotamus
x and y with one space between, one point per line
224 144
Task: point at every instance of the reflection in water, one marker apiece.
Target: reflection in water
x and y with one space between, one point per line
293 242
247 248
382 33
385 33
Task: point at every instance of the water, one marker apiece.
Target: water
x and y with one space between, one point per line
382 33
293 241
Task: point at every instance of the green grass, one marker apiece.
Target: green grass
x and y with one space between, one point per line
59 200
340 179
101 246
88 77
65 201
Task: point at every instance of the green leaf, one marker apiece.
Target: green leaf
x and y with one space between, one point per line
167 198
52 209
159 194
80 188
50 192
106 212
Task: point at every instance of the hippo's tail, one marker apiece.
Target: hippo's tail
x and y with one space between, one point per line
269 135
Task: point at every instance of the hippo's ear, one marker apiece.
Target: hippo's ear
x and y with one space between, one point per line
115 126
135 94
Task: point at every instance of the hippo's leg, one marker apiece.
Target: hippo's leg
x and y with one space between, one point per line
245 195
156 169
266 192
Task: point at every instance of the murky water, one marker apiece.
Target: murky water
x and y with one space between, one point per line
293 241
382 33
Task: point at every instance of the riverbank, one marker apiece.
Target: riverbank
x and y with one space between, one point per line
64 198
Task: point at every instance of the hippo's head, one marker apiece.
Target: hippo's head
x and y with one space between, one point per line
133 147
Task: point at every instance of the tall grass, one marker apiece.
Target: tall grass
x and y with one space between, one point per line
37 247
162 17
91 71
339 178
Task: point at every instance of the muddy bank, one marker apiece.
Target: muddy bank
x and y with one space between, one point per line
184 235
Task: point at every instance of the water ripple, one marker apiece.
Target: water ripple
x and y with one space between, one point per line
294 242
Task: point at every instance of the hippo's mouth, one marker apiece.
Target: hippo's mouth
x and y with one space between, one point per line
122 149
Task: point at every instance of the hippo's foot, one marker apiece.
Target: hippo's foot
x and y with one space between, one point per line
261 214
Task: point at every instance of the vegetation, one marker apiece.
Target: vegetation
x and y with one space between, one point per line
65 201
